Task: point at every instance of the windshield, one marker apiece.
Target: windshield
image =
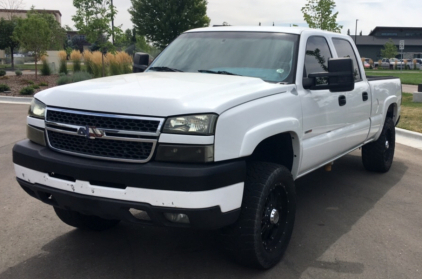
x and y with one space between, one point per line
269 56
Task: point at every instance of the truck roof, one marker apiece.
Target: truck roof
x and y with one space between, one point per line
290 30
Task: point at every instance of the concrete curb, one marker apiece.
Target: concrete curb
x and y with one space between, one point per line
15 100
409 134
409 138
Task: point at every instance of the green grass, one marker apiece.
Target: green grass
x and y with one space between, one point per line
411 114
406 77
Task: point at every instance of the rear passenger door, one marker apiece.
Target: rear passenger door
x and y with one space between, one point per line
359 100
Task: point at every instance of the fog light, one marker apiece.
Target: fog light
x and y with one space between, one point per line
177 218
139 214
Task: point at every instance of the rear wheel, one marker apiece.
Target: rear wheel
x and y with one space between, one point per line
378 155
261 235
81 221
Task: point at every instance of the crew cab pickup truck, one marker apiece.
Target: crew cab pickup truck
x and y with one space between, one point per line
212 135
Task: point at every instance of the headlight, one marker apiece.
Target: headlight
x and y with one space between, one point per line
37 109
203 124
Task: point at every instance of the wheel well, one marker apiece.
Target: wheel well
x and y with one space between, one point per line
391 111
276 149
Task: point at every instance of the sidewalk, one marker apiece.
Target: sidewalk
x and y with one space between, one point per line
24 72
408 88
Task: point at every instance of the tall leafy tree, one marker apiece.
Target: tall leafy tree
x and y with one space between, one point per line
6 36
162 21
34 35
58 34
93 19
319 14
389 50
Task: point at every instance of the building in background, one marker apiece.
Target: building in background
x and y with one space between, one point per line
370 46
8 14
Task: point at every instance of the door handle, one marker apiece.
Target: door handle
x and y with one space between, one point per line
342 100
365 96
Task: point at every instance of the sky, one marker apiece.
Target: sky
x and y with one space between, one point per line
370 13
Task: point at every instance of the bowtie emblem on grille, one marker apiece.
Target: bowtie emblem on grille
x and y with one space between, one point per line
91 132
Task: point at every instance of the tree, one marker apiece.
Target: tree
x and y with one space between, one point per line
58 34
348 32
34 35
390 49
93 19
6 36
360 34
163 21
319 14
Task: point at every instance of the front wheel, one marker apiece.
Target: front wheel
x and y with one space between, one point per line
82 221
261 235
378 156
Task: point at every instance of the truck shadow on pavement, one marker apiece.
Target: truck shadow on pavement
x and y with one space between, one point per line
329 204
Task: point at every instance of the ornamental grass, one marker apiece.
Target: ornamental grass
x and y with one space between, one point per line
76 57
63 62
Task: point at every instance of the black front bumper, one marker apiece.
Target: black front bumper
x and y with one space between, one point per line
153 175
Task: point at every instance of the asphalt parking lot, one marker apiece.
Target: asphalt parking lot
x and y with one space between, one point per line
350 224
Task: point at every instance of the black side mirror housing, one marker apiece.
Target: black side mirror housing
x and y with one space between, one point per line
340 76
140 62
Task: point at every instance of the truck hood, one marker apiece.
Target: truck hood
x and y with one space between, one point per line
160 93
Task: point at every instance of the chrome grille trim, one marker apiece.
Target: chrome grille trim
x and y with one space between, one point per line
122 134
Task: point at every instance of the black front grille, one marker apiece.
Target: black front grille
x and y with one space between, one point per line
114 149
127 124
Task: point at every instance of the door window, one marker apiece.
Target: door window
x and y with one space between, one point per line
344 49
316 59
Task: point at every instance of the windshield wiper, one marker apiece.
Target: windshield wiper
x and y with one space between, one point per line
218 72
164 69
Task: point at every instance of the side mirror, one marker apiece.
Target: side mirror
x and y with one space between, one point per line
140 62
340 76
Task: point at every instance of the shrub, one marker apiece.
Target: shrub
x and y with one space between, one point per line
4 77
64 80
27 90
2 73
35 86
43 83
76 77
45 68
81 76
18 73
4 87
63 62
76 56
30 82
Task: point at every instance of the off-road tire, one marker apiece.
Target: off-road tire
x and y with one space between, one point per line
378 156
85 222
254 240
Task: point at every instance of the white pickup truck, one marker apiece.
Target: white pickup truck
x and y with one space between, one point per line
212 135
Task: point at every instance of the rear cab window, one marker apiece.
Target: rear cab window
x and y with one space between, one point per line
344 49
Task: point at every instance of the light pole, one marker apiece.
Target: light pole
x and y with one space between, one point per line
356 29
